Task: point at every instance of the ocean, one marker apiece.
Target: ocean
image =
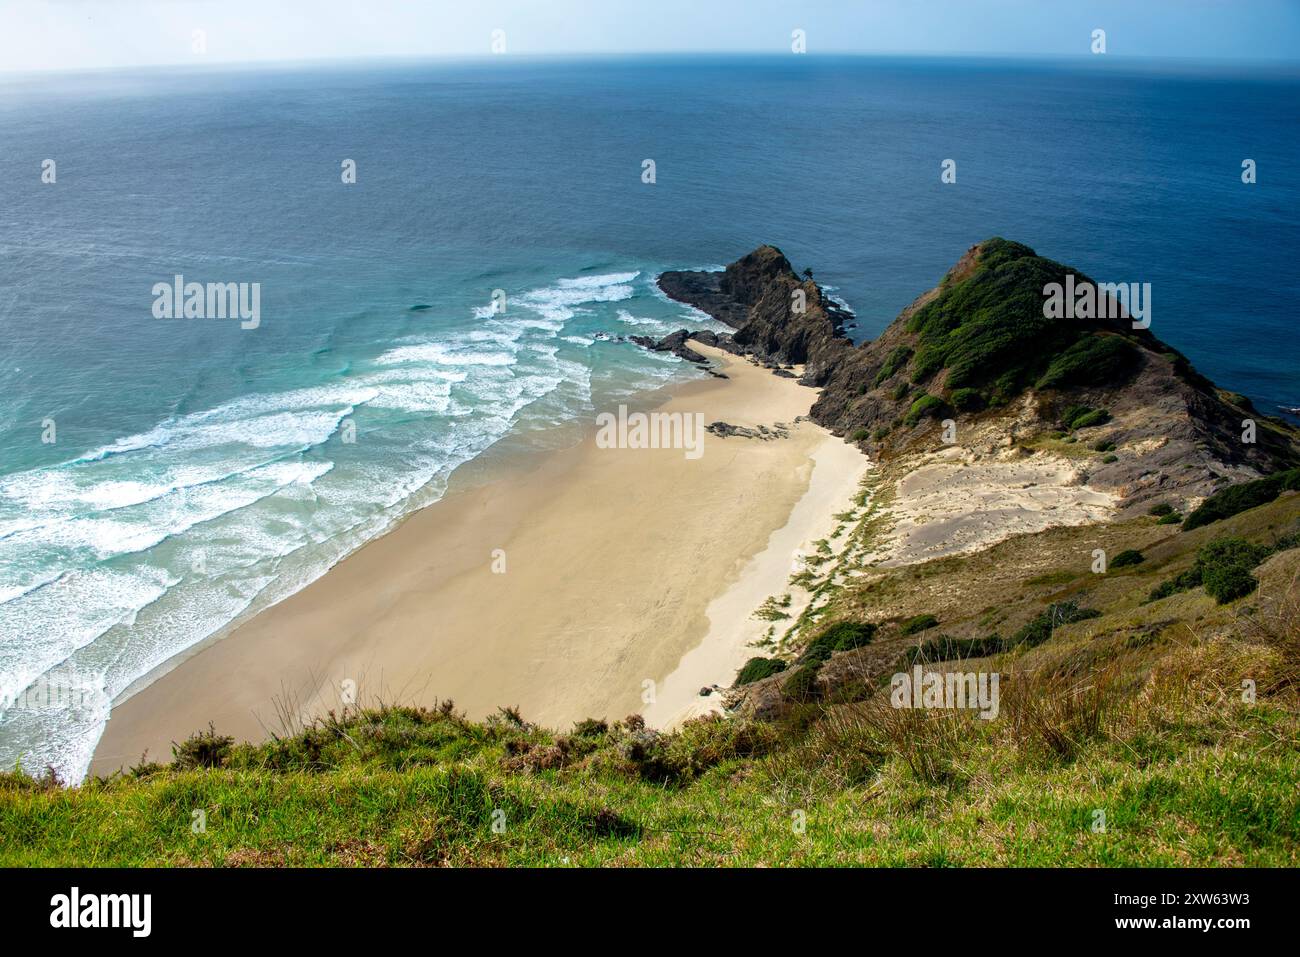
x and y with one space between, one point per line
161 478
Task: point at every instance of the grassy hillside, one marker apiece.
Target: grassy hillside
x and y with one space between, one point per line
1134 710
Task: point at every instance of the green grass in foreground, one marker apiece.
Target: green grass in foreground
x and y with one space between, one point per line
1185 772
1176 718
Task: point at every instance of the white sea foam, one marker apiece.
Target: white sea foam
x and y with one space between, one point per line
838 300
631 320
102 537
557 303
214 514
103 597
223 422
443 354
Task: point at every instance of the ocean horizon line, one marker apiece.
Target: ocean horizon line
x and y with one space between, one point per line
1112 62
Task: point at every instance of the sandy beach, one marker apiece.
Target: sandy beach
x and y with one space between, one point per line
586 582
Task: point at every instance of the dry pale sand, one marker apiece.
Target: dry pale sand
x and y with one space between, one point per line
619 564
955 501
733 628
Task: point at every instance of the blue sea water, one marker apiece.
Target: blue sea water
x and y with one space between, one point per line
200 471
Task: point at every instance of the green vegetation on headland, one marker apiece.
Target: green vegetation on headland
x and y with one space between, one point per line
895 361
1177 719
990 340
1083 417
988 330
924 406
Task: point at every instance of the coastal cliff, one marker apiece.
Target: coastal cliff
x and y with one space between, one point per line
978 349
759 296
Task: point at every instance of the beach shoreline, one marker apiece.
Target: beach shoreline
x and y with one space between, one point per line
569 584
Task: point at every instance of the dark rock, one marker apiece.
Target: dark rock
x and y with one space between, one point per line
676 343
1180 423
759 296
727 430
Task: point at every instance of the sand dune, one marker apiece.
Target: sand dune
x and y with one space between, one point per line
954 502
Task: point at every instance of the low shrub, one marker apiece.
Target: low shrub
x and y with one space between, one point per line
1093 360
1222 566
1238 498
590 728
755 669
893 362
918 624
946 648
1160 509
694 748
1225 565
802 683
1226 583
925 406
1040 628
207 749
1072 413
1130 556
1179 583
1285 542
1090 419
712 739
841 636
968 400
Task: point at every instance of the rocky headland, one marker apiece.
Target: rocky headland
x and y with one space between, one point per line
1129 414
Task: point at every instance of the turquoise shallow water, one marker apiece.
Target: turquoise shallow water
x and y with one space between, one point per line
199 470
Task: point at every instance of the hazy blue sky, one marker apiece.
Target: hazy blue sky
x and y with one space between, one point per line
71 34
